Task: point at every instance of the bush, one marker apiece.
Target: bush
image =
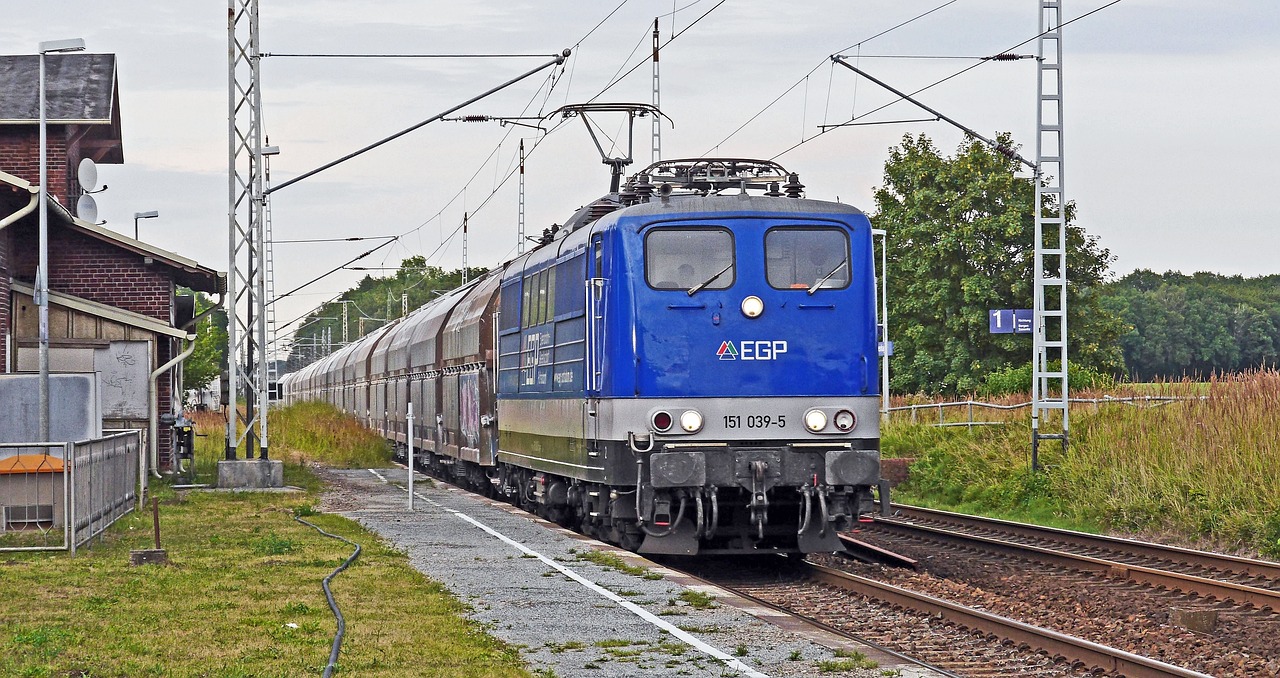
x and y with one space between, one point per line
1012 380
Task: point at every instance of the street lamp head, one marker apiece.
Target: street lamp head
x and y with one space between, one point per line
69 45
146 215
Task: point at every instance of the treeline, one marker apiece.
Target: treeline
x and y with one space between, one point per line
370 305
960 243
1195 325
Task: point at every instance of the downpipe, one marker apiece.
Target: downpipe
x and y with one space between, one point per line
153 431
153 419
30 207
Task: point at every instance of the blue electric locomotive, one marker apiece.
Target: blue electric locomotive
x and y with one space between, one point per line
687 366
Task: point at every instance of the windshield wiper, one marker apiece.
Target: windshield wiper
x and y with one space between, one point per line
827 277
697 288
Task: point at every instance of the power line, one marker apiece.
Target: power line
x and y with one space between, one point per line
939 82
330 272
311 240
797 83
410 56
559 59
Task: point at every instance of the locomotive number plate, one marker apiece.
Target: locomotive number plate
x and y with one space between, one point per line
755 421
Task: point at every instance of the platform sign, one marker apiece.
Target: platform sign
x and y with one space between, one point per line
880 347
1011 321
1022 321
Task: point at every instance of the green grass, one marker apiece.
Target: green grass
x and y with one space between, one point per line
846 660
1201 469
241 597
697 599
615 562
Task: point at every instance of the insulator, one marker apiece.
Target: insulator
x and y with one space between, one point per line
628 196
1006 56
600 208
773 191
475 118
643 187
793 187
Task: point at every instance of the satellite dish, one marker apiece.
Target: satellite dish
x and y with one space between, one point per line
87 208
88 175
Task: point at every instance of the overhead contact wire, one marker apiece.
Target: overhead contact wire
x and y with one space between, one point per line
949 77
769 105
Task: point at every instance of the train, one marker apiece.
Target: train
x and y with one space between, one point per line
687 365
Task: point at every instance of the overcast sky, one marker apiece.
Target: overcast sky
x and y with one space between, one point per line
1171 110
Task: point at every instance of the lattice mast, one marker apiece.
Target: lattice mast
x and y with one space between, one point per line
655 153
273 352
1049 362
520 215
247 327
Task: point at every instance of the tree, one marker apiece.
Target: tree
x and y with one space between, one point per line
206 361
960 244
373 303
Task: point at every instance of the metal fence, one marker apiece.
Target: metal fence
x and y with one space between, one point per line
972 413
57 496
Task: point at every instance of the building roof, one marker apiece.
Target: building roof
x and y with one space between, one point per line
80 89
16 193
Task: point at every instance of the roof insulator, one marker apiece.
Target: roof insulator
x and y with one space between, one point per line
793 187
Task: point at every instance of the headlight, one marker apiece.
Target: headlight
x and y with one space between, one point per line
691 421
815 420
752 306
845 420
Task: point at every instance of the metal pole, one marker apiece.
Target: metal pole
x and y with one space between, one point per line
884 319
410 438
42 269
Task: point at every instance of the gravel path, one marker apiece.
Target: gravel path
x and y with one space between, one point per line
530 584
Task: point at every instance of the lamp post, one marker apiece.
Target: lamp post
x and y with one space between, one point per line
42 269
142 215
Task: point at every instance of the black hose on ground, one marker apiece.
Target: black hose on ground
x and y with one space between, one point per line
333 605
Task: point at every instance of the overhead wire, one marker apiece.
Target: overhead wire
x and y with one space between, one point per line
802 78
552 80
949 77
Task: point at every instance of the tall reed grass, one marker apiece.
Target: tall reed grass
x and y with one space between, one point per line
1205 469
298 434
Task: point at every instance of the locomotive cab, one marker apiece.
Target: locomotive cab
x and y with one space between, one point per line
740 368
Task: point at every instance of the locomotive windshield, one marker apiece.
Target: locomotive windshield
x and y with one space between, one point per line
689 259
807 258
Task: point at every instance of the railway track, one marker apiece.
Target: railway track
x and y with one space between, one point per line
947 637
1207 612
1214 576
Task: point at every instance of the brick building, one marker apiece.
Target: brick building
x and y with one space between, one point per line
114 306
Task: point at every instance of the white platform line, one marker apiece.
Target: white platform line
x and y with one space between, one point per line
640 612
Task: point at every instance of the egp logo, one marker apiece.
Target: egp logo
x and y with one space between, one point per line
764 349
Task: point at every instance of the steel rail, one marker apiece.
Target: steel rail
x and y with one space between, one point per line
1187 583
1055 644
820 625
1217 561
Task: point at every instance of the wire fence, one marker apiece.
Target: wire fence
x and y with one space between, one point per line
971 413
58 496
